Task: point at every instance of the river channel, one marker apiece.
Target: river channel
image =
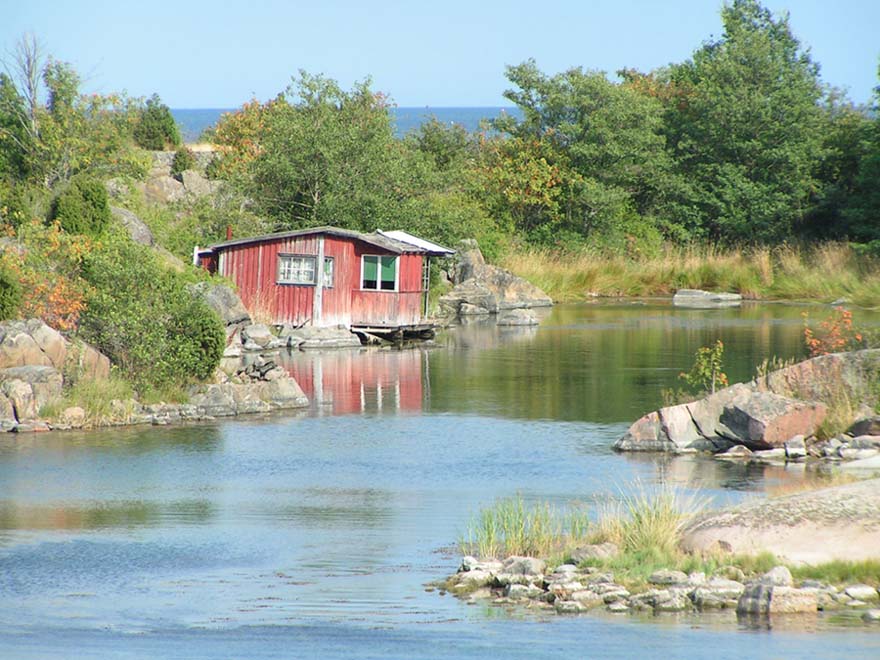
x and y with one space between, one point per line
314 534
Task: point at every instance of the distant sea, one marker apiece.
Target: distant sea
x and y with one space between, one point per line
193 121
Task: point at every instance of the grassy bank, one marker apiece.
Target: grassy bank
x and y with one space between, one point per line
647 530
822 273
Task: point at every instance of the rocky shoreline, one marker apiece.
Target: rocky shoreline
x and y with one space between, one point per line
778 416
37 363
574 589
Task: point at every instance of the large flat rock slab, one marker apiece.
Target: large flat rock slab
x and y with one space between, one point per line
841 522
699 299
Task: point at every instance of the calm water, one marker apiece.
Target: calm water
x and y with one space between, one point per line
313 535
193 121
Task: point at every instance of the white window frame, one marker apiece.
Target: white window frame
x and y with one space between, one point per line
328 283
379 273
292 275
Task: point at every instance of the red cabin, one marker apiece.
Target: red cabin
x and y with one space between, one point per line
328 276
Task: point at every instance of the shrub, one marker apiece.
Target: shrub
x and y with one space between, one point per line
836 333
145 318
10 295
706 374
82 208
46 262
214 168
156 128
14 207
184 159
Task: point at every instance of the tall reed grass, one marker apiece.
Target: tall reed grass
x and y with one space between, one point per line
819 273
642 521
512 527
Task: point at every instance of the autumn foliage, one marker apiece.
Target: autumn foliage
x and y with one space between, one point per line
835 334
46 262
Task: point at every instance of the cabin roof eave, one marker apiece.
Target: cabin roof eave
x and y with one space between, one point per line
378 239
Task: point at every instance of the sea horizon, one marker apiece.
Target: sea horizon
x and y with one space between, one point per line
194 121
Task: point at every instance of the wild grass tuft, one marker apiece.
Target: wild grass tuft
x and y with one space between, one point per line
94 396
646 522
511 527
841 572
824 272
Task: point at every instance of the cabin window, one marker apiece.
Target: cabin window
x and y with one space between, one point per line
379 273
328 272
296 269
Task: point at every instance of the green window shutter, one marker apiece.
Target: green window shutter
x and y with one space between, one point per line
388 268
370 268
371 272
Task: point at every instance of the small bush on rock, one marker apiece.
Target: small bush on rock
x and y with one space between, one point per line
184 159
82 208
10 295
156 128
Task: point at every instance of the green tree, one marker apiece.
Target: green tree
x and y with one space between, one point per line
448 145
862 214
746 131
601 141
846 142
328 156
156 128
15 140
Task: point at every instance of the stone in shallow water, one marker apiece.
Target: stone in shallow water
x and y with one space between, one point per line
599 551
568 607
737 451
788 600
524 566
665 576
777 576
862 592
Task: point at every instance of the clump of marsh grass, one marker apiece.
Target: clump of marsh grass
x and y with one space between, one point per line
94 396
512 527
824 272
643 521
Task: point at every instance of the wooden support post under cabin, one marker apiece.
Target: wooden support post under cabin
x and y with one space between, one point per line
318 299
426 283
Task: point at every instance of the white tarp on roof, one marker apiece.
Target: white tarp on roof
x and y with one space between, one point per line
405 237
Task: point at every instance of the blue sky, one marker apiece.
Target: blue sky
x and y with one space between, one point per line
451 53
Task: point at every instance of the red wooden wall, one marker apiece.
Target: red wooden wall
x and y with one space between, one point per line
253 268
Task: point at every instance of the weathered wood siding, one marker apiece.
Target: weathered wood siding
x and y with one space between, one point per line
253 267
389 308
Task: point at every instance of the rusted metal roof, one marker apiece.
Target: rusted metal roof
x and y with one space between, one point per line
376 239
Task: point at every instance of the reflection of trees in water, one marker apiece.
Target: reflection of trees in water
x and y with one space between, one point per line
133 440
602 363
104 514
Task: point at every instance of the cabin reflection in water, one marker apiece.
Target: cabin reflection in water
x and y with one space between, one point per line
347 382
